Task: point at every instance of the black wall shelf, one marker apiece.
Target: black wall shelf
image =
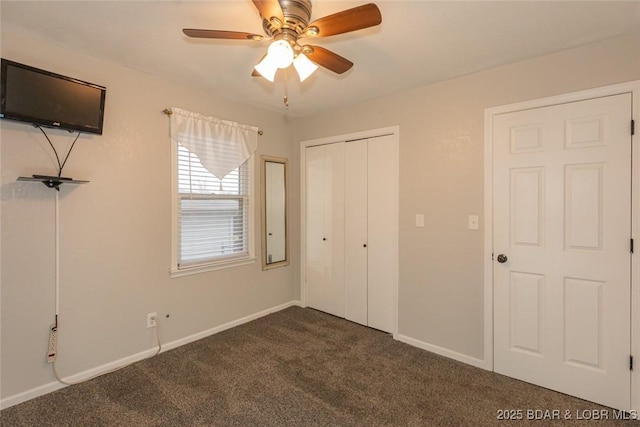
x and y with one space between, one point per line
51 181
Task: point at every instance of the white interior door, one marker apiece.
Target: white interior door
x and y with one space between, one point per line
562 218
325 228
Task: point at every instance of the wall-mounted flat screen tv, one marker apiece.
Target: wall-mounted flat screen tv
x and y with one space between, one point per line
44 98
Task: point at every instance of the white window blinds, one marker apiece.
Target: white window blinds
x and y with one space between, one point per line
213 188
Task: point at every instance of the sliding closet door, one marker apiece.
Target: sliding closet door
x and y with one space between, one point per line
325 228
382 219
371 230
356 229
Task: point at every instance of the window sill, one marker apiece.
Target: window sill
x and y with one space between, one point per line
220 265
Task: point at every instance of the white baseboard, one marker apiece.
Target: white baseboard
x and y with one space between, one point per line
79 377
125 361
478 363
30 394
228 325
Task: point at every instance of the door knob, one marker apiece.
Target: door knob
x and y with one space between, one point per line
502 258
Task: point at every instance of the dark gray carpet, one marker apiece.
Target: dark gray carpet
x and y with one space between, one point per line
297 367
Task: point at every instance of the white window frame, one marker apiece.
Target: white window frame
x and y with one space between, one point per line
250 258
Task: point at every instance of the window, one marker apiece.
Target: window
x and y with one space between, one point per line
213 218
213 213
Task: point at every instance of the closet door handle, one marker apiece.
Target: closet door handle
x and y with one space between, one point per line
364 246
324 238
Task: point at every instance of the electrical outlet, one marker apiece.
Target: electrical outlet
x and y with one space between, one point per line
472 222
152 319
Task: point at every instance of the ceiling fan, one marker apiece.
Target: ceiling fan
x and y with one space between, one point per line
286 22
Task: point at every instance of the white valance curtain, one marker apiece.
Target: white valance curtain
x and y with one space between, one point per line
220 145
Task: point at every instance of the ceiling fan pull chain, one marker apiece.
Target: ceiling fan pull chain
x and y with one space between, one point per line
286 89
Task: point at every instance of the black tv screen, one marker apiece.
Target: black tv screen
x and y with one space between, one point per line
41 97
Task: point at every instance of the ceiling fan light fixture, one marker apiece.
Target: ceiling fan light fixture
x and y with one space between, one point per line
267 68
280 53
304 66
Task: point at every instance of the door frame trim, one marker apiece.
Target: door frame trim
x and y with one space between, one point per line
372 133
632 87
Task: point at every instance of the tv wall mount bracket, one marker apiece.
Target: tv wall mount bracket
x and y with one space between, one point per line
51 181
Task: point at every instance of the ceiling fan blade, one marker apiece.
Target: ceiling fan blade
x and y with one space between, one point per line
360 17
269 9
328 59
216 34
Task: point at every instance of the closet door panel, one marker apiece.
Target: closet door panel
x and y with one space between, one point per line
325 228
383 231
334 227
356 231
315 247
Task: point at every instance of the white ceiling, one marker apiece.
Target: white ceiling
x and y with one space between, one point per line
418 43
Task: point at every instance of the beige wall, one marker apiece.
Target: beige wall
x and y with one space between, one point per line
115 231
115 237
441 175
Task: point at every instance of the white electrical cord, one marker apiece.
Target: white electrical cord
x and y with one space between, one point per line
57 279
57 249
55 371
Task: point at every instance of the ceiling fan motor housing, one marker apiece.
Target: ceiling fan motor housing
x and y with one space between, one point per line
297 14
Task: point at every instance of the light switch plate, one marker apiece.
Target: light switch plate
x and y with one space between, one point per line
473 222
420 220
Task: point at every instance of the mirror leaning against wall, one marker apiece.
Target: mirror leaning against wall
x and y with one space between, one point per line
275 245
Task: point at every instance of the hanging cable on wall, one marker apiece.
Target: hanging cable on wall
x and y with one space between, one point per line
64 162
55 181
52 351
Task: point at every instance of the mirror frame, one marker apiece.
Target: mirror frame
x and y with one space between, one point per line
263 210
